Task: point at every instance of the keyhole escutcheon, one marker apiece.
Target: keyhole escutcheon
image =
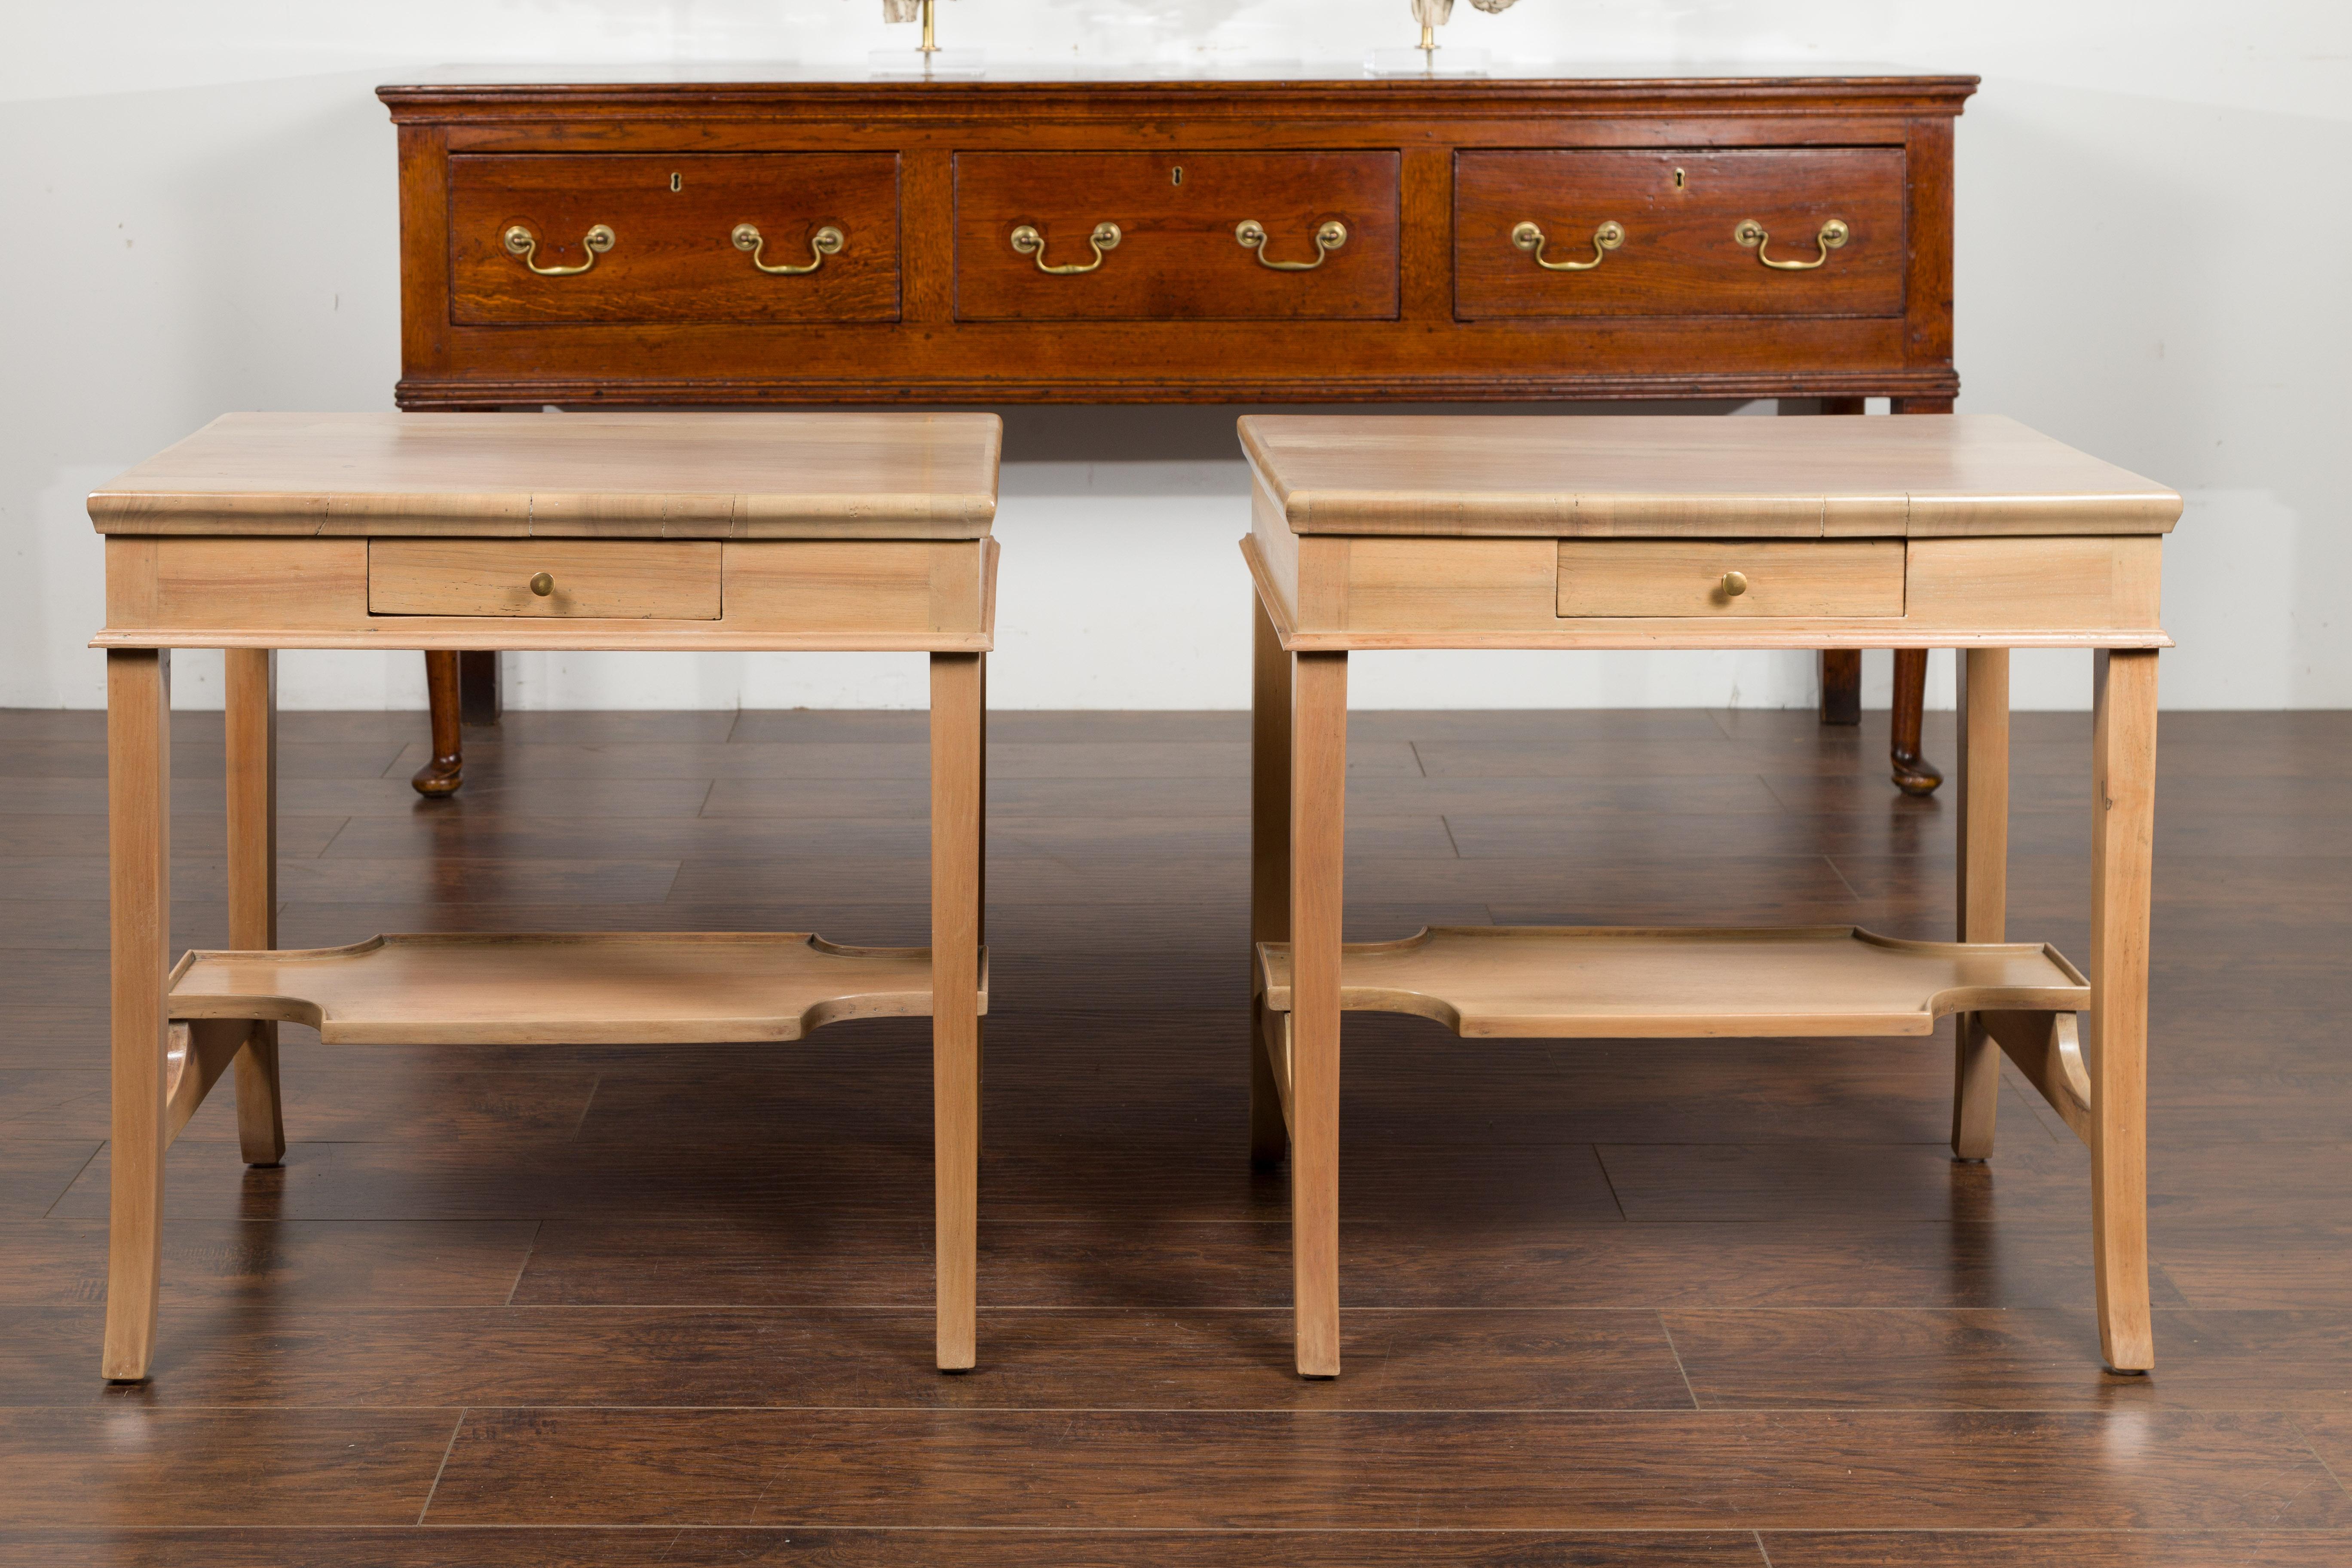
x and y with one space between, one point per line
1679 180
1176 176
674 183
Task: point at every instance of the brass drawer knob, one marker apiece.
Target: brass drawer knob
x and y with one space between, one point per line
543 584
826 241
1834 233
1250 234
521 243
1734 584
1606 238
1029 242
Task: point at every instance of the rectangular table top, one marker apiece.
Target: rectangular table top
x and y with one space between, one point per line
1679 475
588 475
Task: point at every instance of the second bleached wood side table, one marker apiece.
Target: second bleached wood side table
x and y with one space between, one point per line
738 533
1528 532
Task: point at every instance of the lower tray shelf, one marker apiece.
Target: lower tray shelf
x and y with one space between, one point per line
603 988
1584 982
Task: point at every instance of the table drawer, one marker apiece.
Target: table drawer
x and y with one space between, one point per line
1679 223
634 580
1677 577
671 238
1179 254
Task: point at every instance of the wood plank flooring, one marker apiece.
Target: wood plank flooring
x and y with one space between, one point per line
1660 1304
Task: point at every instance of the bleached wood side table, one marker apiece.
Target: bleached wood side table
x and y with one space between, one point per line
1969 533
741 533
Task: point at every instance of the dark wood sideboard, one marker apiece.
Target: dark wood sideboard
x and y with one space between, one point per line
1243 239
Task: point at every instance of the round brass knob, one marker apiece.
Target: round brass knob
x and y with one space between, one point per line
1734 584
544 584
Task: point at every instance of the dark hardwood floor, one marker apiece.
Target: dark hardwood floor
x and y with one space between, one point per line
1649 1303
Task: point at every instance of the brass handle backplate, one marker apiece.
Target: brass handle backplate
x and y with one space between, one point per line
1029 242
520 242
1734 584
1605 238
1834 233
826 241
1250 234
543 584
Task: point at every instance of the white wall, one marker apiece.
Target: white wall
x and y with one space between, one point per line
2152 264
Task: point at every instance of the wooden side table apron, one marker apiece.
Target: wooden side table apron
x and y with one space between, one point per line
1525 532
736 532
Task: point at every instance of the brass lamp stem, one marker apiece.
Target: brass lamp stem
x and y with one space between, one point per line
931 45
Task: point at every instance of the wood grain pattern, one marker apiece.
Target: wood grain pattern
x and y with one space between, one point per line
606 580
1777 577
1318 780
958 971
1663 1470
1679 209
206 591
2123 832
1269 851
1385 592
594 474
673 258
1793 1209
1380 154
481 989
250 731
1585 982
1177 259
1982 894
139 891
1434 474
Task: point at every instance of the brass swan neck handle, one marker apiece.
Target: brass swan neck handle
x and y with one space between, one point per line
1833 234
1029 242
521 243
1250 234
826 241
1606 238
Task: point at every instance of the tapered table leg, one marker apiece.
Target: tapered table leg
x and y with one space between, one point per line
252 732
957 752
139 859
1319 784
1269 870
1983 882
2122 841
1841 667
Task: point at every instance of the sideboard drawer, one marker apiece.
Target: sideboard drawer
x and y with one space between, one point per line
661 236
1680 231
626 580
1179 253
1699 577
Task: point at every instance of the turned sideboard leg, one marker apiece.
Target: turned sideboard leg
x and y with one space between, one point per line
958 746
1319 783
1269 870
447 771
477 686
1914 774
252 733
1841 686
2123 839
138 886
1984 881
